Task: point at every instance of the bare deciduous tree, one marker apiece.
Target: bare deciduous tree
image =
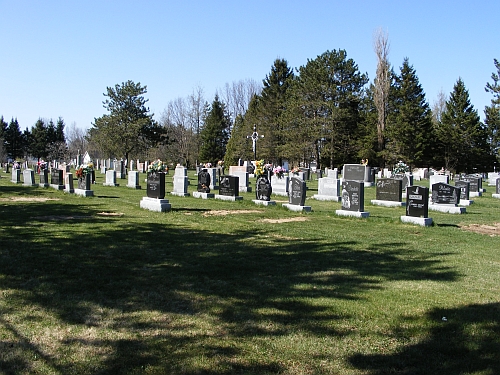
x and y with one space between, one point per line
237 96
382 83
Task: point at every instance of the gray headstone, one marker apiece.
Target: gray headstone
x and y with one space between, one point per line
389 189
353 195
297 192
445 194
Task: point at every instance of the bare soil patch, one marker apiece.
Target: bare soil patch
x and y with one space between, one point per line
491 230
28 199
230 212
110 214
287 220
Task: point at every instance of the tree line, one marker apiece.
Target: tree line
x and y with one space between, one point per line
326 110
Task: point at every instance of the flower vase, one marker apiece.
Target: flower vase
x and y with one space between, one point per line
156 185
263 189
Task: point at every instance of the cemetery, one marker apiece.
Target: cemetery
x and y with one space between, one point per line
238 273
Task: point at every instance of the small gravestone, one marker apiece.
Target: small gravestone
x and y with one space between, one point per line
263 190
243 178
476 186
328 189
111 178
497 189
180 182
280 185
464 187
44 178
84 187
133 180
16 176
445 198
155 185
389 192
297 195
228 188
354 172
69 183
417 206
407 180
6 168
435 178
56 179
352 199
29 177
203 188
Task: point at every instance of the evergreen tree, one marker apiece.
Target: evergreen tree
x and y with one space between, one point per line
492 112
461 133
40 139
215 132
238 144
409 129
3 129
14 140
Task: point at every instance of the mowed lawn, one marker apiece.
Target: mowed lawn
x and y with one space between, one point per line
100 286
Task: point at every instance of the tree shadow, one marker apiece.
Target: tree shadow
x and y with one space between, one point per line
461 340
252 288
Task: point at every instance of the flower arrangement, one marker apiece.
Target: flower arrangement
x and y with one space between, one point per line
261 168
279 172
400 168
84 169
295 170
220 163
208 165
157 166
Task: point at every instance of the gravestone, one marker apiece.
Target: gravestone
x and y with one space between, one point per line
44 178
352 199
29 177
84 187
307 173
204 180
16 176
243 177
133 180
155 185
464 189
389 192
263 191
56 179
213 178
328 189
280 185
111 178
354 172
228 188
498 186
492 178
297 195
476 186
417 206
180 182
332 173
445 194
69 183
407 180
435 178
6 168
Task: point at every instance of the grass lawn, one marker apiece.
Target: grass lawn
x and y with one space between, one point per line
100 286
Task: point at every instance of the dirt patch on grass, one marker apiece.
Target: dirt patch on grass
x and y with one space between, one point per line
28 199
491 230
109 214
287 220
61 217
230 212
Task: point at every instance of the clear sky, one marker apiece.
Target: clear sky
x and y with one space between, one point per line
58 57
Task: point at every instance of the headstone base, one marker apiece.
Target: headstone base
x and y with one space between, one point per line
326 198
447 209
475 194
84 193
68 190
497 196
199 194
423 221
247 189
15 182
228 198
465 202
361 214
57 187
43 185
32 184
264 203
110 184
280 193
378 202
179 194
153 204
297 208
134 187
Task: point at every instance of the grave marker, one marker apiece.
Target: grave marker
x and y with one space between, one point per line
352 198
297 195
417 206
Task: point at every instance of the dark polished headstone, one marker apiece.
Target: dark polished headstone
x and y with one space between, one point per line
353 196
156 185
229 186
475 183
354 172
464 189
445 194
417 201
56 176
203 181
389 189
263 189
297 191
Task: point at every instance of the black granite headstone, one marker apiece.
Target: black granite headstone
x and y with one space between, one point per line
475 183
263 189
354 172
297 191
156 185
56 177
44 177
389 189
85 182
229 185
203 181
464 189
445 194
353 196
417 201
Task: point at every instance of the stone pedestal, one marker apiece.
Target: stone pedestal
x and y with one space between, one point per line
264 203
231 198
423 221
449 209
154 204
199 194
378 202
297 208
361 214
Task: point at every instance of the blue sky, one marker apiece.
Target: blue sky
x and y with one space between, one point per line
58 57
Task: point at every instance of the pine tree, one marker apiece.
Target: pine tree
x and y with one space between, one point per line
461 133
14 140
492 112
409 130
40 139
215 132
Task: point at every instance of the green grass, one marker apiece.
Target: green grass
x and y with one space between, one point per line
192 292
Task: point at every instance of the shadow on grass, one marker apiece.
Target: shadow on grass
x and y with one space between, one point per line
467 340
250 288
